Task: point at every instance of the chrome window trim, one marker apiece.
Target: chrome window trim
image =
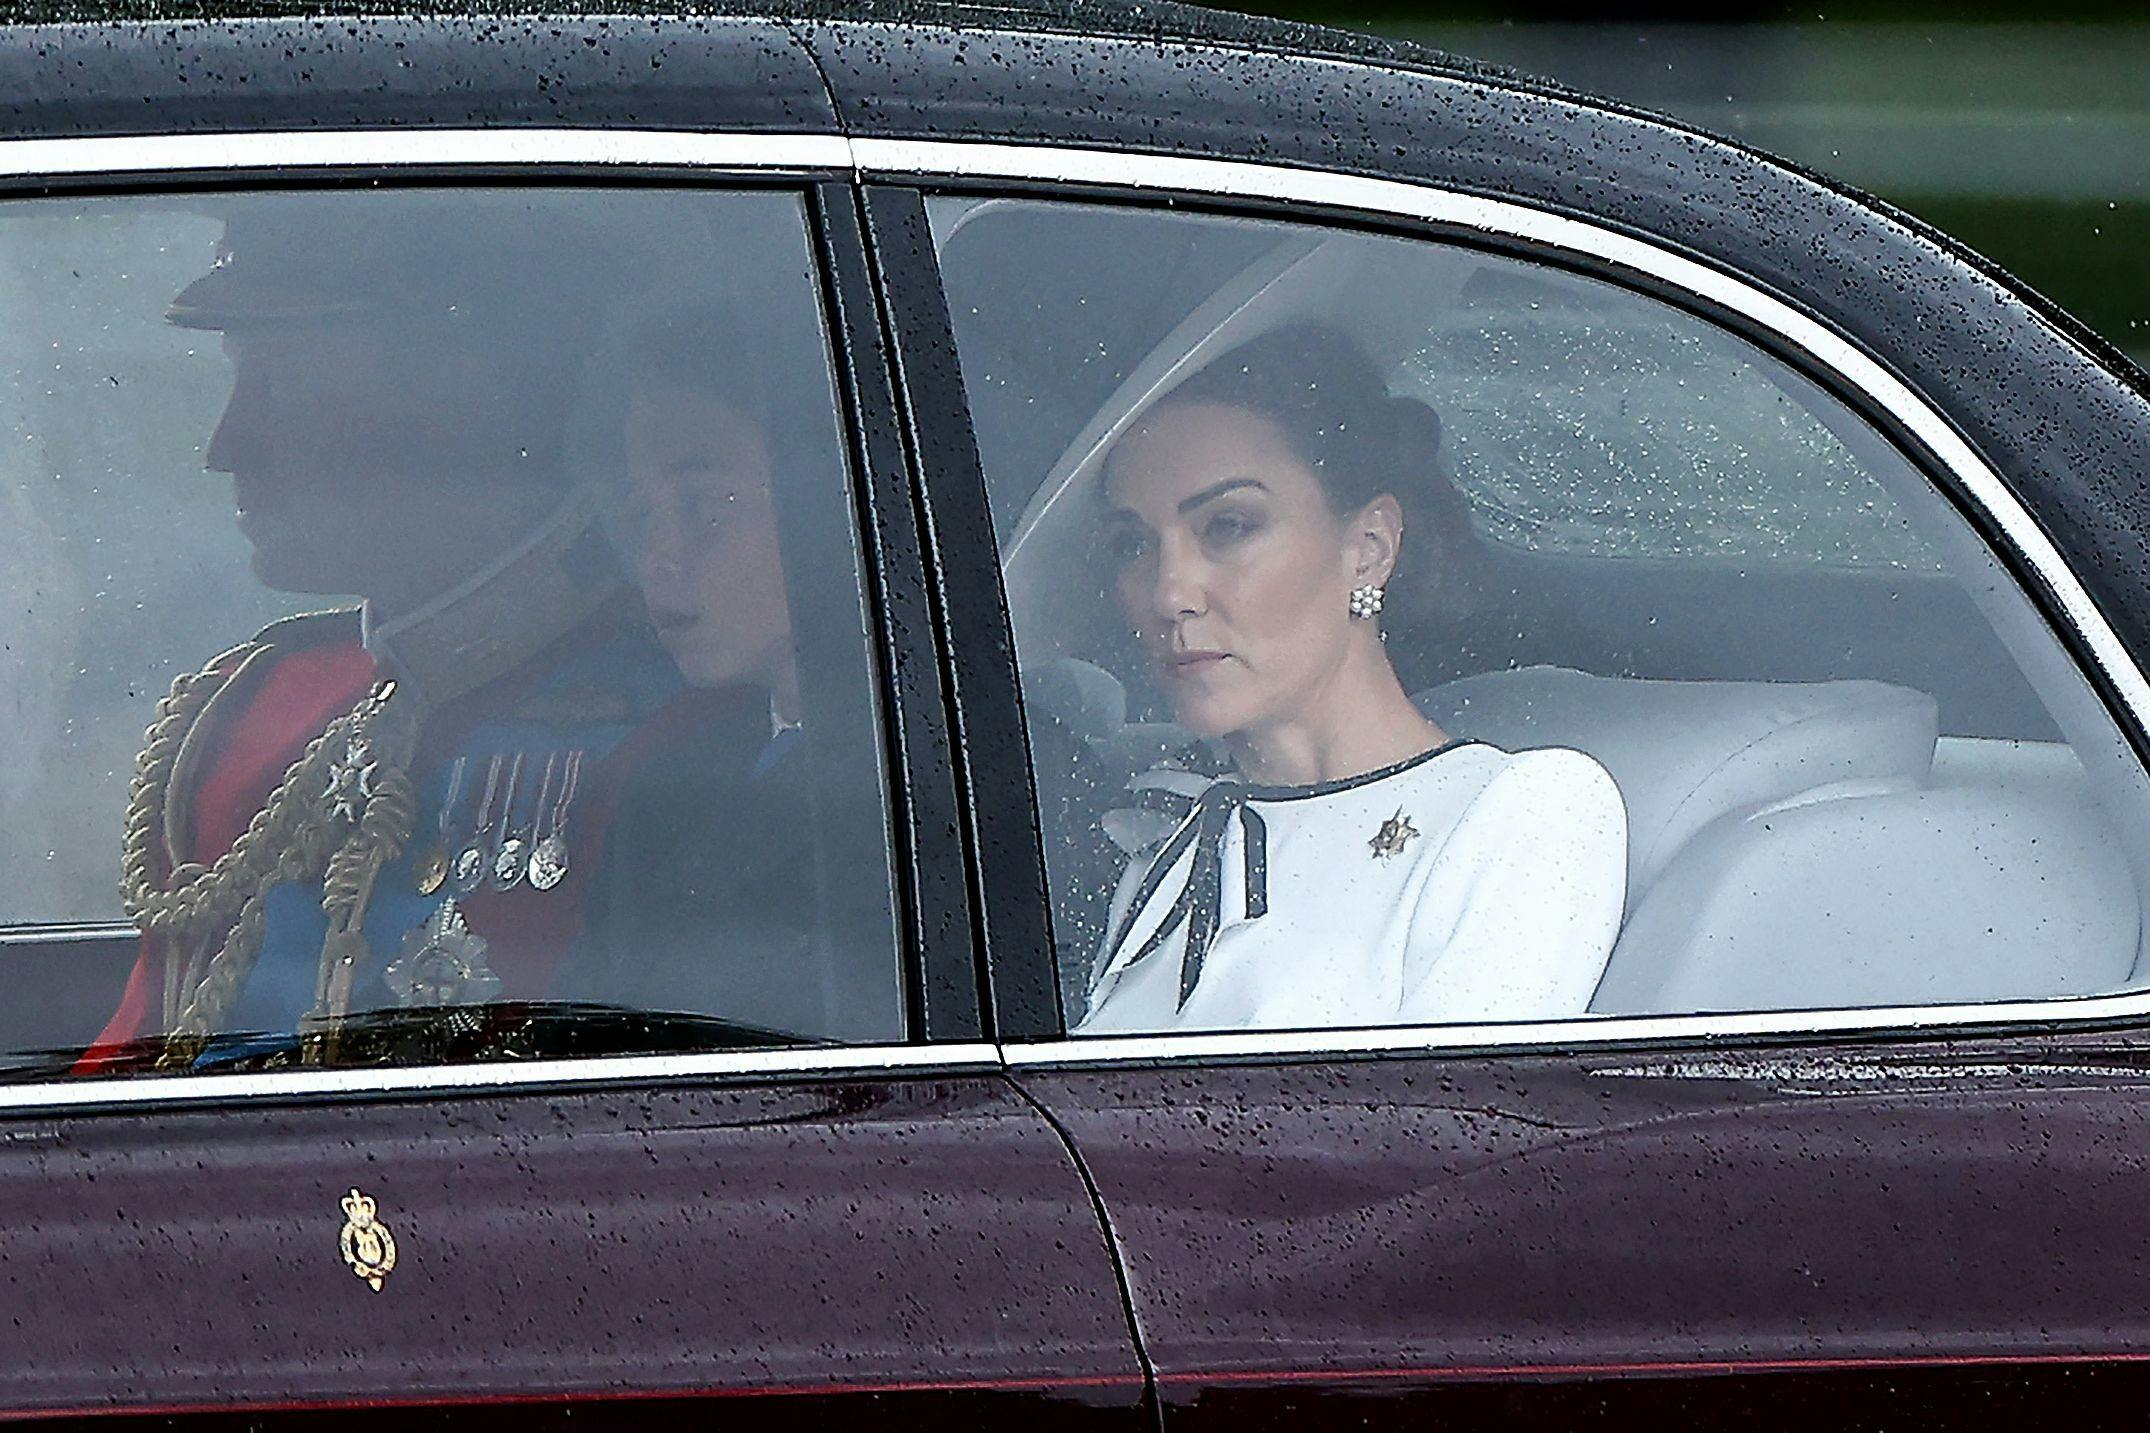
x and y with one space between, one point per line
58 933
417 148
164 1091
1581 1032
232 155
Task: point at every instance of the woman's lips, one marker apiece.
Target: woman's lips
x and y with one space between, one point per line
1192 664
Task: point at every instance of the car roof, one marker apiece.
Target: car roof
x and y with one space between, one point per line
1157 20
101 45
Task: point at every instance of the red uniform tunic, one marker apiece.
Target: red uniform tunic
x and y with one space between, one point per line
281 701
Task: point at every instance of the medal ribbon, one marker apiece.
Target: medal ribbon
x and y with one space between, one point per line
1199 905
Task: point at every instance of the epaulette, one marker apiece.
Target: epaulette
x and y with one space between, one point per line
235 674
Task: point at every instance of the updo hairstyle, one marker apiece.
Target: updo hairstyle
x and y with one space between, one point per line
1328 400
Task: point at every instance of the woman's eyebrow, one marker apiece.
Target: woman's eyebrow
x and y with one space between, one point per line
1217 490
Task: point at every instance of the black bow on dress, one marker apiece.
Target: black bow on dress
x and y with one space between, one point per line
1200 902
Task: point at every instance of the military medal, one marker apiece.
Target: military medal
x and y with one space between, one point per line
540 813
432 869
509 863
468 871
1389 840
548 859
513 852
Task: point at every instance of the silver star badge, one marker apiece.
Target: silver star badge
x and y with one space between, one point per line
442 963
351 782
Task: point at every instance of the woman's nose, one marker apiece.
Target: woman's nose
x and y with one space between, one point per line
652 527
1177 590
658 548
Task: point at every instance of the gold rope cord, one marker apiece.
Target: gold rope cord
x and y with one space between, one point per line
295 836
195 898
153 909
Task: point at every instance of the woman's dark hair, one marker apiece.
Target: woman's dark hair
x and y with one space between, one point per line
1323 393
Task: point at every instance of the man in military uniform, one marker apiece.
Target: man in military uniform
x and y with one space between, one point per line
392 806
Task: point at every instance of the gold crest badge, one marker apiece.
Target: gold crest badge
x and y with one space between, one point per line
1389 840
368 1247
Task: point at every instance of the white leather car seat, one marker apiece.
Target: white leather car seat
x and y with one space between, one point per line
1793 845
1938 896
1686 753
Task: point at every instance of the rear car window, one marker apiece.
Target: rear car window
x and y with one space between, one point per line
1413 635
1581 423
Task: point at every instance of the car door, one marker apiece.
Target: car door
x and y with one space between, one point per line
826 1200
1848 1130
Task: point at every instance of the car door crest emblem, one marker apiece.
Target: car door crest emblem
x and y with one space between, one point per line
368 1247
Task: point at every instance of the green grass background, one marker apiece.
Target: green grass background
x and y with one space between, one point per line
2022 130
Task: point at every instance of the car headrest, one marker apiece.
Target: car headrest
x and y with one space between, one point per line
1685 753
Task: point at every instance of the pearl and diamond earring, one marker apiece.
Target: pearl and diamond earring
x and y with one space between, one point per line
1366 601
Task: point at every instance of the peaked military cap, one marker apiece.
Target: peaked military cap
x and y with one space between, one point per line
503 265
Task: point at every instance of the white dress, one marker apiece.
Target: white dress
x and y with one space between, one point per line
1466 884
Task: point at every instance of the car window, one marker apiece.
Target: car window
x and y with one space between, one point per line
433 621
1577 421
1412 634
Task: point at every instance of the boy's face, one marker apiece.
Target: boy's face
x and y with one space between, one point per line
700 533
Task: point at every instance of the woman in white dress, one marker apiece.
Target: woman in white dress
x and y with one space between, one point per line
1359 866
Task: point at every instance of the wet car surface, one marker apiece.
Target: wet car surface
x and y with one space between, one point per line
1872 1166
